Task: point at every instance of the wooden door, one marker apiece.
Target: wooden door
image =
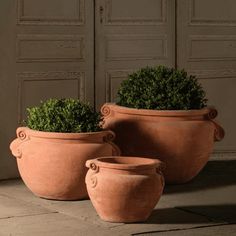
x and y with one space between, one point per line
206 47
46 50
130 34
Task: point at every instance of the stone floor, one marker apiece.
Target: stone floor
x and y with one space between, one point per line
206 206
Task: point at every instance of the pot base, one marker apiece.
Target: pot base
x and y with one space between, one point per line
133 187
124 220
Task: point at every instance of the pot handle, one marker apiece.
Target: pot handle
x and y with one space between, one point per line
106 110
219 131
22 137
91 178
91 164
108 139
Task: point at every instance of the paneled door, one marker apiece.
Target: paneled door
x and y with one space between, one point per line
46 50
85 48
206 47
130 34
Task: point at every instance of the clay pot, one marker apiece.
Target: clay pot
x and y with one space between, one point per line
182 139
52 165
124 189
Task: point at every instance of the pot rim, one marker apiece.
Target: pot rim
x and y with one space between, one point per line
148 163
61 135
209 111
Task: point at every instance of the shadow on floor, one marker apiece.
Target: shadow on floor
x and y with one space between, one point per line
224 212
193 214
215 174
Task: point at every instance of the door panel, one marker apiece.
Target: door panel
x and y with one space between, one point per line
58 12
130 34
208 12
52 48
133 12
206 47
60 84
46 51
138 47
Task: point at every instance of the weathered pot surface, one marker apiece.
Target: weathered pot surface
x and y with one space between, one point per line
182 139
124 189
52 165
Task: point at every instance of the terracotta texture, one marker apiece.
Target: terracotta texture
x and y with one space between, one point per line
124 189
52 165
182 139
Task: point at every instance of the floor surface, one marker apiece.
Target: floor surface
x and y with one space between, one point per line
205 206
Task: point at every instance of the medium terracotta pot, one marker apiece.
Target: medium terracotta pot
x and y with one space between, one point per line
52 165
124 189
182 139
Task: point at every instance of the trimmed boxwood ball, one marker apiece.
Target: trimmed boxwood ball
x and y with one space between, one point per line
63 115
161 88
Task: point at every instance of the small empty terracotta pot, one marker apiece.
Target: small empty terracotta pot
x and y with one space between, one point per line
124 189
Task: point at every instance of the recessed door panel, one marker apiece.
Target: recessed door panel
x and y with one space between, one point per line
132 12
50 47
51 12
212 12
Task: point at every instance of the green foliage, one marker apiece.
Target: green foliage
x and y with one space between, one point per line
63 115
161 88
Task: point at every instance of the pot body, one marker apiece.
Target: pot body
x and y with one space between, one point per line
52 165
182 139
124 189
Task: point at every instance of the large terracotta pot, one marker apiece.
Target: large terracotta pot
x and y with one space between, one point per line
52 165
182 139
124 189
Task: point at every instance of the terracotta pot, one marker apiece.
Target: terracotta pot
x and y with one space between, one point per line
182 139
124 189
52 165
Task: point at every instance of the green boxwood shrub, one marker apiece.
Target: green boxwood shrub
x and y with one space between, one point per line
63 115
161 88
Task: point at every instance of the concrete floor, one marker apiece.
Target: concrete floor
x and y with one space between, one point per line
206 206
